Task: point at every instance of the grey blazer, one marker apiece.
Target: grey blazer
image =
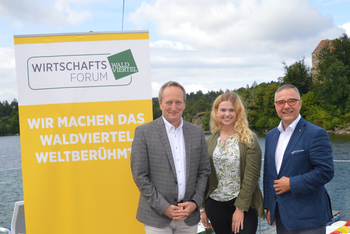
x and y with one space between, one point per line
154 172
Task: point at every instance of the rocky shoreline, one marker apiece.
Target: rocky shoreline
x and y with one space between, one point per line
340 130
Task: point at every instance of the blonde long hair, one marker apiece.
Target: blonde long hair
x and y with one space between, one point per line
244 134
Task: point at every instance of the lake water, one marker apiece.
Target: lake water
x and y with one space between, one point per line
12 190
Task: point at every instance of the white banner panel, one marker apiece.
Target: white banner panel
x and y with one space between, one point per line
64 71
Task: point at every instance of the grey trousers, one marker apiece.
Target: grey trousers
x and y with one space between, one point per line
175 227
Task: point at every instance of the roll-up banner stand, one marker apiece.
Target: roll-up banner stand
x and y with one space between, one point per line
81 96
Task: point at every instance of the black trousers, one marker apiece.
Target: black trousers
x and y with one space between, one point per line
220 216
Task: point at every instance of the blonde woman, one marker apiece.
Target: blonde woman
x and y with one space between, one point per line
233 200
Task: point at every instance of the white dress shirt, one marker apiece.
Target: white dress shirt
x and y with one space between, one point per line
177 144
283 141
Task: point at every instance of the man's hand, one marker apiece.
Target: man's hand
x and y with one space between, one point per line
170 211
181 211
237 220
186 208
282 185
268 217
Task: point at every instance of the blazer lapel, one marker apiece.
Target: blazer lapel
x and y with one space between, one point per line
297 133
165 142
187 139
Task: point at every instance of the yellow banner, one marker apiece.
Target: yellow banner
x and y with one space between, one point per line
76 166
80 38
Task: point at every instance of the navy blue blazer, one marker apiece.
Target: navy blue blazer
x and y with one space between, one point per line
308 162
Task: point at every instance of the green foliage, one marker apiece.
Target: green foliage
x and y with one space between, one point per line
252 116
347 107
14 125
157 112
9 120
341 49
258 99
194 106
299 75
334 68
345 118
335 89
326 58
206 120
268 100
309 100
261 124
328 105
195 103
3 129
319 116
261 113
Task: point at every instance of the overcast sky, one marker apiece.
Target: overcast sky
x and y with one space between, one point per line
203 44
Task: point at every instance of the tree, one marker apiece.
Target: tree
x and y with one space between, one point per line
254 85
5 125
3 129
341 49
268 101
331 85
157 112
14 105
299 75
15 124
336 88
335 50
206 121
2 110
7 108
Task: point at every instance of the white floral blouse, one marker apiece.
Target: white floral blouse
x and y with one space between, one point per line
226 161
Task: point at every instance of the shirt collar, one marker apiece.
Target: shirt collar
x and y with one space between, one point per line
169 127
292 125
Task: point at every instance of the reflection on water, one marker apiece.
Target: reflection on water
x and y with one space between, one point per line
11 176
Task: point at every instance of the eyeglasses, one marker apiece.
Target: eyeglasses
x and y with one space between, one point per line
291 102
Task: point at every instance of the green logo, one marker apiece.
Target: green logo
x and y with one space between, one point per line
122 64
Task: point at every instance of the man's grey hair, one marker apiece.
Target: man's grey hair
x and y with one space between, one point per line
169 84
287 86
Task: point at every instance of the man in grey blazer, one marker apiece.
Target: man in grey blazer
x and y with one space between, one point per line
170 166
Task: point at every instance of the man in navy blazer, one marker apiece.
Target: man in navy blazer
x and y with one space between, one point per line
298 162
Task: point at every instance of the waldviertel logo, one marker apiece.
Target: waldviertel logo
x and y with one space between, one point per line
122 64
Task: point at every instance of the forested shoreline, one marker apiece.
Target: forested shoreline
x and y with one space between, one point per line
9 121
325 95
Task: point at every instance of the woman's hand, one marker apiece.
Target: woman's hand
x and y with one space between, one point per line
268 217
237 220
204 220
